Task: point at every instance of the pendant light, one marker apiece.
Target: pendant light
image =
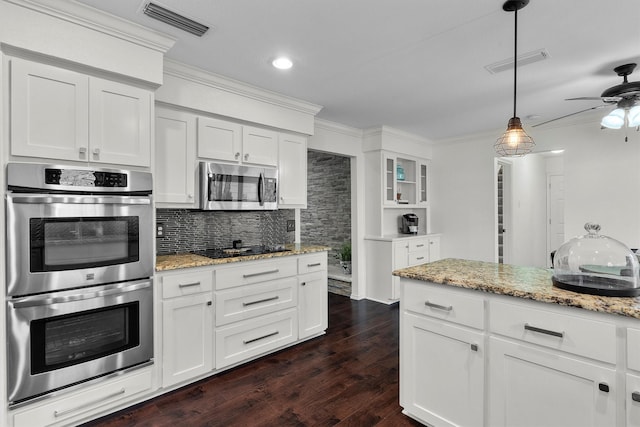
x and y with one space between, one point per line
515 141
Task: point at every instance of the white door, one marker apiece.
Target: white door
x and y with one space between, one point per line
555 213
259 146
530 387
187 333
119 123
292 171
175 158
49 111
441 372
312 304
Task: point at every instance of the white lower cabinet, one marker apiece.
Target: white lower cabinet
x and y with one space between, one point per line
187 325
312 300
480 359
87 403
536 387
442 372
244 340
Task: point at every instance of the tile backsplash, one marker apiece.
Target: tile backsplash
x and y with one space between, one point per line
191 230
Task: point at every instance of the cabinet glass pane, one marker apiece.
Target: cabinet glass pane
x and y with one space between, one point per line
389 177
423 183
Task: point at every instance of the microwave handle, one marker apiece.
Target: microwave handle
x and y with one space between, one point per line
80 200
39 300
261 189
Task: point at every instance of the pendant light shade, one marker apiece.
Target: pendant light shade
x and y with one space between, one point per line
515 141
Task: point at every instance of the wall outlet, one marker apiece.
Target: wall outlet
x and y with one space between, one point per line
291 225
160 229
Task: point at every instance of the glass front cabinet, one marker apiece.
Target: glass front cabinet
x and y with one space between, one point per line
406 181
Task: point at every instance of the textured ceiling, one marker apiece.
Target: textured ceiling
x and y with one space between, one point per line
414 65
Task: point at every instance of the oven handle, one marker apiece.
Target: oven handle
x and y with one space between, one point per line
41 300
78 200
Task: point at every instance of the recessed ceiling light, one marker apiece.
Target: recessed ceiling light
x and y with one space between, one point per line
282 63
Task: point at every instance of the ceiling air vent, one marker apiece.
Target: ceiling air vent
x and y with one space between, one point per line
524 59
167 16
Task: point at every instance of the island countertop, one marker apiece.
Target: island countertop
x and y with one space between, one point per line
188 260
522 282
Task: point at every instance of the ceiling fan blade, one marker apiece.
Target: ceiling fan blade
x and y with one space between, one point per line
597 107
596 98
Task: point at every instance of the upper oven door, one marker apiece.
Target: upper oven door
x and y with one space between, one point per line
57 242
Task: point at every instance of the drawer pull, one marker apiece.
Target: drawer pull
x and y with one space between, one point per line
188 285
246 276
419 246
261 338
87 404
438 306
635 396
420 258
603 387
528 327
245 304
317 264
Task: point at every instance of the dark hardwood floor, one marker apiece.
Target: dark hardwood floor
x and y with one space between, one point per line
348 377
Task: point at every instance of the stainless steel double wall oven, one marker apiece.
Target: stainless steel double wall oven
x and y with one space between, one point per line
79 275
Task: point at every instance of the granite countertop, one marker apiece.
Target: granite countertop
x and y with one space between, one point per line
187 260
523 282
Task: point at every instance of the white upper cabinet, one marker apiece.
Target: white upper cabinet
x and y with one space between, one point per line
218 139
231 142
292 170
119 125
49 111
65 115
259 146
176 171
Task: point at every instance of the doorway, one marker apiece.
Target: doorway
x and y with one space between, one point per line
327 219
503 211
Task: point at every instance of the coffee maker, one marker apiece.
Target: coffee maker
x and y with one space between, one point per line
410 223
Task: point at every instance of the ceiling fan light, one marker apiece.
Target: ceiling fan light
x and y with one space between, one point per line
514 142
634 117
613 120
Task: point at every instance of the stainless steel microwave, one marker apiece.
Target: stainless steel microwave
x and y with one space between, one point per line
236 187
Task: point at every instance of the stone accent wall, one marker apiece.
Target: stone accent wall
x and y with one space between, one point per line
327 219
192 230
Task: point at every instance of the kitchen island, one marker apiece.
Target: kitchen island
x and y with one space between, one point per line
499 345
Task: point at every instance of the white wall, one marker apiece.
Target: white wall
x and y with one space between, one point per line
602 183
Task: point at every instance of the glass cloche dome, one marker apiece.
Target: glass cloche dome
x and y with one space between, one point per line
596 264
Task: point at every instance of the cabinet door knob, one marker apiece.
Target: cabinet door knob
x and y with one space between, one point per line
246 156
603 387
635 396
96 153
82 150
209 303
474 347
237 155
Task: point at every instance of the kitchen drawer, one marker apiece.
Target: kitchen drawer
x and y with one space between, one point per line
444 302
240 341
250 301
418 245
633 349
255 271
179 284
86 402
312 263
419 257
572 334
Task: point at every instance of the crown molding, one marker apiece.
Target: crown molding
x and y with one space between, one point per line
216 81
387 130
338 128
94 19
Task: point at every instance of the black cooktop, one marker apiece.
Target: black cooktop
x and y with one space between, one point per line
216 253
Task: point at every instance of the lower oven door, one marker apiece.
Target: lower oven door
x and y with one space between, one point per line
59 339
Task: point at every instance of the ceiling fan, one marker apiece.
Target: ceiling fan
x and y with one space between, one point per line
624 96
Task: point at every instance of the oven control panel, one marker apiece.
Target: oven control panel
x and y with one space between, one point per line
85 178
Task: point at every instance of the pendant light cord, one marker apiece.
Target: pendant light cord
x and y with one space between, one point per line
515 61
